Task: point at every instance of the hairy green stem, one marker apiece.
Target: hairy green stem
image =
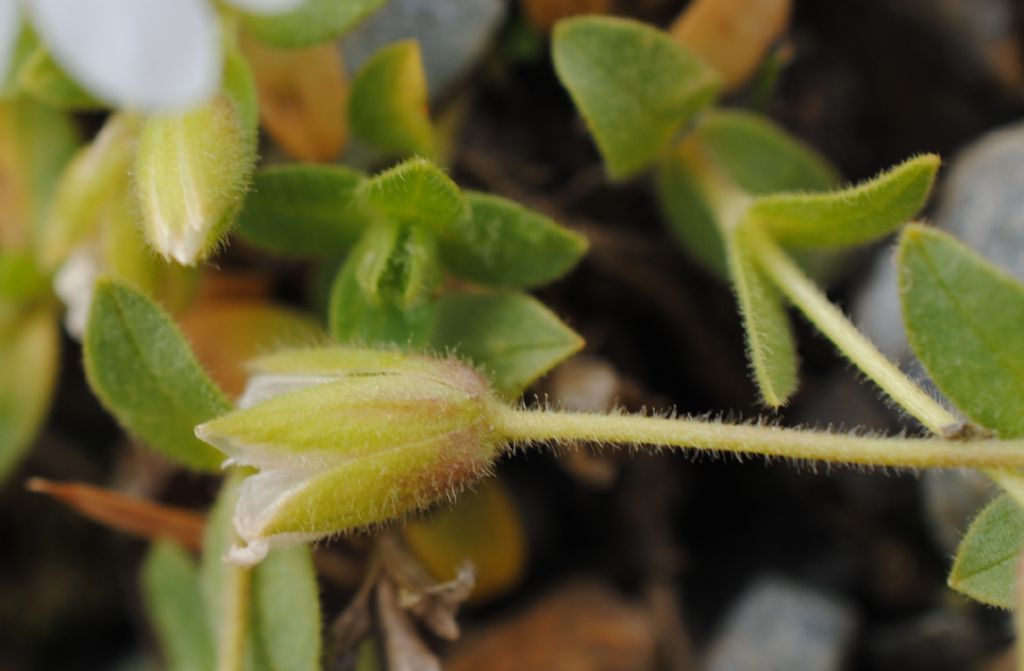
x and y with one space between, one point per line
525 426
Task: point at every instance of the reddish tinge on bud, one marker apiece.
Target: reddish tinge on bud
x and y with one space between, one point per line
346 437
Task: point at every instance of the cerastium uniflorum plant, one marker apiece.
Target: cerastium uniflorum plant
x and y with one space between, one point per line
413 391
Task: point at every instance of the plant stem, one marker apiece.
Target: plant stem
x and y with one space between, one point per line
831 321
526 426
235 623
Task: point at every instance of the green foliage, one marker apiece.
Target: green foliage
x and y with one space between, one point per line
511 336
312 22
503 244
397 264
44 80
388 105
415 191
143 371
771 349
170 587
303 209
964 318
286 609
986 561
852 216
635 87
760 157
29 355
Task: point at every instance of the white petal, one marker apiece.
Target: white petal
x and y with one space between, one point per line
9 27
265 386
260 498
75 284
268 6
150 55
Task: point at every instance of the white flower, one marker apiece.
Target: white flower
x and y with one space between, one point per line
145 55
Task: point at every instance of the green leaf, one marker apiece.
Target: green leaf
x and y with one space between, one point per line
502 243
354 319
143 371
771 349
286 610
397 264
29 354
170 586
313 22
45 81
303 209
964 319
851 216
511 336
633 84
388 104
688 212
416 191
761 157
986 561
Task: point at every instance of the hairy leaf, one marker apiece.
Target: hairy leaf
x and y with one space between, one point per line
143 371
634 86
853 216
511 336
286 609
986 561
502 243
416 191
170 587
303 209
313 22
964 318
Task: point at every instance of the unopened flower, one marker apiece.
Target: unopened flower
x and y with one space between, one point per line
146 55
346 437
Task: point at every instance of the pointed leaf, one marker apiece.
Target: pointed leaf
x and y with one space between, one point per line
502 243
635 87
963 318
415 191
143 371
761 157
388 107
853 216
148 55
511 336
303 209
313 22
170 587
986 561
771 349
29 355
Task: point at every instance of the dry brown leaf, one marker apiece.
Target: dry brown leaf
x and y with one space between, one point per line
732 35
303 97
582 627
404 648
545 13
137 517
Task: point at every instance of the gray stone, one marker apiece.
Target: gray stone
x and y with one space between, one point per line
453 35
777 625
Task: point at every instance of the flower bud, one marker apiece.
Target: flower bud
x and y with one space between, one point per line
347 437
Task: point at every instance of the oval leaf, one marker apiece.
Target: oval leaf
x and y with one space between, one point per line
511 336
143 371
303 209
286 610
853 216
986 561
761 157
388 108
313 22
416 191
502 243
963 318
634 86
